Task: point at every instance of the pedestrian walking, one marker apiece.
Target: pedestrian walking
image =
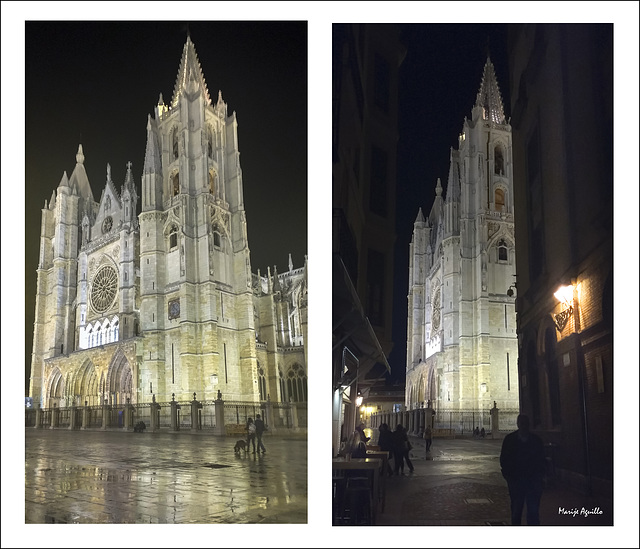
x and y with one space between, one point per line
523 467
427 438
401 447
260 429
385 441
251 434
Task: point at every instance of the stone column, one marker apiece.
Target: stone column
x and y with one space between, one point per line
294 416
155 409
38 424
72 423
54 417
421 420
105 415
495 420
195 406
219 428
174 413
85 415
127 415
268 419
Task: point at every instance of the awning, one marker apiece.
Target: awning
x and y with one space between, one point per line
351 328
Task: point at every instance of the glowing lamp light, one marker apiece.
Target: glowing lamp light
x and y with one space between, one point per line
565 294
359 400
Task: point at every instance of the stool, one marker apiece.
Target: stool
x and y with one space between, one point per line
358 500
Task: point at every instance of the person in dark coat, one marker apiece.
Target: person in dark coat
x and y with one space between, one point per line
360 429
523 466
427 438
385 441
260 429
401 450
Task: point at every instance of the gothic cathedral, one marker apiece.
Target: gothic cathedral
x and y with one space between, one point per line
164 303
462 348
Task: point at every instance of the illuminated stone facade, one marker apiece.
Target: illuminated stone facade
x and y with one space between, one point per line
133 306
462 349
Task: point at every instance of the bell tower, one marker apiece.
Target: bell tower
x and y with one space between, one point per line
196 295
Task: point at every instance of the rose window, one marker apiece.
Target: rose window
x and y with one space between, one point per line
104 288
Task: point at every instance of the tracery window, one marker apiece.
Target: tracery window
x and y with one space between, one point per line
498 160
173 238
175 184
174 143
502 251
499 200
297 384
262 383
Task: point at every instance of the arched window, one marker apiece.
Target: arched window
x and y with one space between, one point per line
175 184
209 142
499 200
297 384
173 238
502 251
262 383
283 394
498 160
212 182
174 143
115 331
216 239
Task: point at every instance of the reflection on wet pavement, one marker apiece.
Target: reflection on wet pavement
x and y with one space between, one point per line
119 477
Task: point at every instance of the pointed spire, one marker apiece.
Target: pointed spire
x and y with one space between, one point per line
189 68
151 156
80 155
489 97
453 183
64 182
420 218
52 202
276 281
439 188
290 263
79 177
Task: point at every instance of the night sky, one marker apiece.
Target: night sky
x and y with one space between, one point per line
95 83
439 79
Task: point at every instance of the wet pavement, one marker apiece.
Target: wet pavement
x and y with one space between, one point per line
460 484
115 477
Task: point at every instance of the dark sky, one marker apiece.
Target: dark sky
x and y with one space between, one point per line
439 80
95 83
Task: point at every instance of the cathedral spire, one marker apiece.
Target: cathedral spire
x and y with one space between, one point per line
489 97
420 218
189 69
151 156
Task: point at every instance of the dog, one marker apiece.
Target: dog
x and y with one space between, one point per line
240 445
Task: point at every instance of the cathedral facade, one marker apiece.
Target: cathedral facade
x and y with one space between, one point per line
164 302
462 348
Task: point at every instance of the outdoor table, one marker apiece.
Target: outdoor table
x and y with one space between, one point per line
370 467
